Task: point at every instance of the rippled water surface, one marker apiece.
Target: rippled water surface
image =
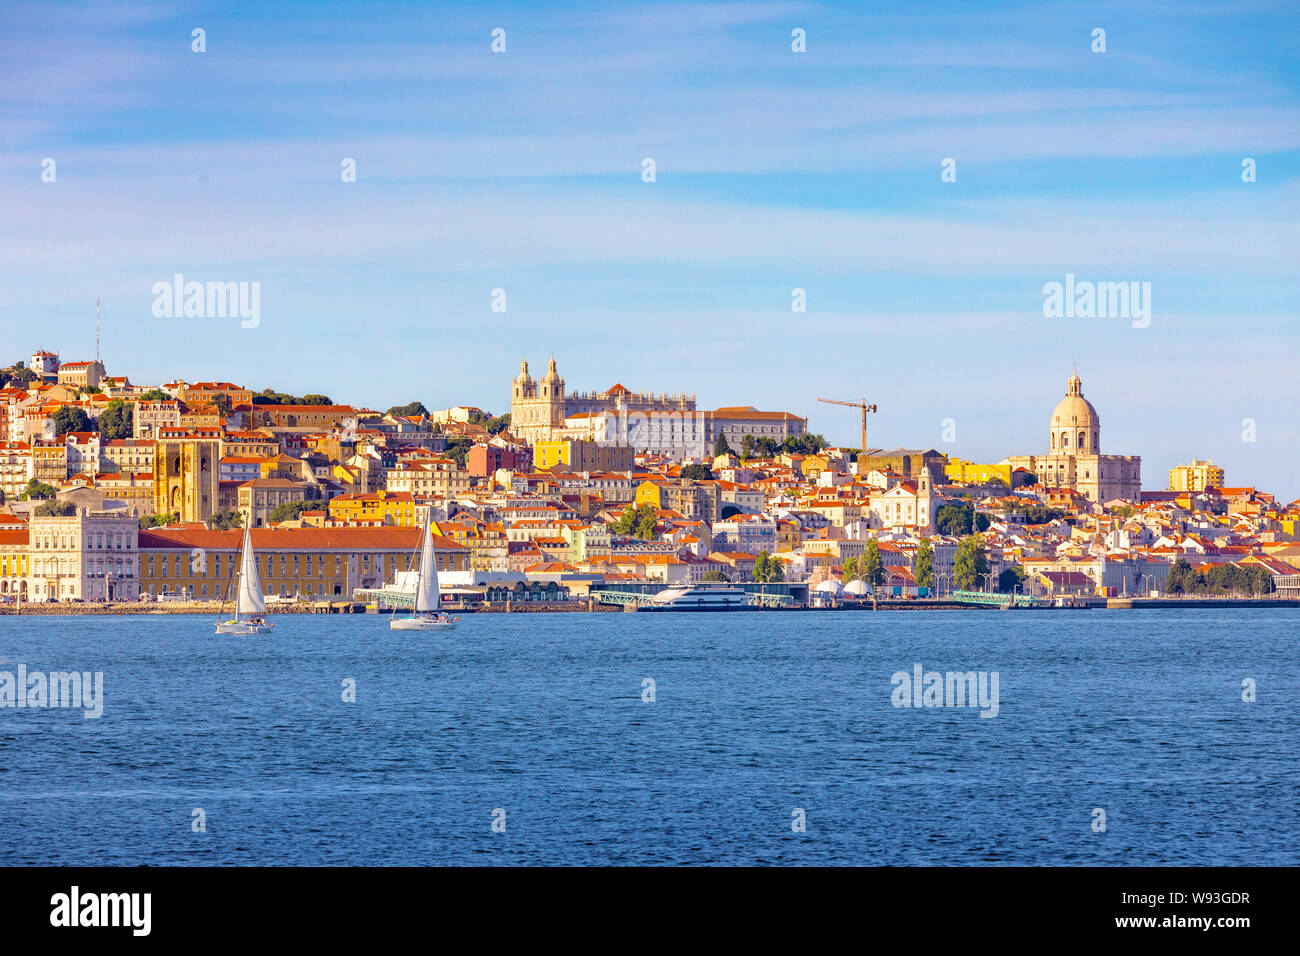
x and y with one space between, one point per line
1139 713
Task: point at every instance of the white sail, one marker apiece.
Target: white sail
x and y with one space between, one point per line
250 599
426 586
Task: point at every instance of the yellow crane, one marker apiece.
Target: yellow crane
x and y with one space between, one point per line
864 405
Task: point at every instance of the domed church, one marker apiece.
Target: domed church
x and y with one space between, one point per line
1074 459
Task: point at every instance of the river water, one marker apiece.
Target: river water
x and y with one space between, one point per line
771 738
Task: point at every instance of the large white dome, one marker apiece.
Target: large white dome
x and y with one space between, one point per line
1075 425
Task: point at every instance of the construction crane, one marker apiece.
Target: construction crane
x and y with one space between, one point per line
864 405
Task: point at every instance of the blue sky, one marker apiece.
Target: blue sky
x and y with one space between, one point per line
775 170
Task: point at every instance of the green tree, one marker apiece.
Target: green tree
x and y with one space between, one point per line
226 520
746 447
19 377
499 424
970 563
720 446
1011 578
155 395
872 569
776 571
39 489
412 409
157 520
761 566
315 399
851 571
1034 513
695 472
803 444
715 576
1182 579
69 418
117 420
458 449
924 571
645 528
55 509
639 521
1261 581
292 509
955 519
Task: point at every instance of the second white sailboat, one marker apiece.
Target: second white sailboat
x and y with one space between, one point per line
426 616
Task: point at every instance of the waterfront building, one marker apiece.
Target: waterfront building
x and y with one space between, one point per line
311 562
89 556
13 560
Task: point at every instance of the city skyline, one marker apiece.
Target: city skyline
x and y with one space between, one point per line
1156 479
775 171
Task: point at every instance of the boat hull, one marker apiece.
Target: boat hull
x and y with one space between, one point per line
243 627
421 624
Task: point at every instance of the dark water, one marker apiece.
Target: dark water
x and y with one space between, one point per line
1139 713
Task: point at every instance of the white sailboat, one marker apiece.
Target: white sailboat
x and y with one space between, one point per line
250 602
426 616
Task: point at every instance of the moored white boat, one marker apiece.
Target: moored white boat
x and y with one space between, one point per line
698 598
426 616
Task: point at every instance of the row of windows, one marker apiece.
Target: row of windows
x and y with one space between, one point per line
199 564
93 541
67 567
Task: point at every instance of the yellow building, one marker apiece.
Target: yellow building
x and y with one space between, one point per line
487 542
377 507
1197 476
969 473
13 561
580 454
209 393
310 562
186 473
697 500
49 460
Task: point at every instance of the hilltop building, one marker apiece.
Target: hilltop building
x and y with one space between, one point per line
1197 476
657 422
1074 460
